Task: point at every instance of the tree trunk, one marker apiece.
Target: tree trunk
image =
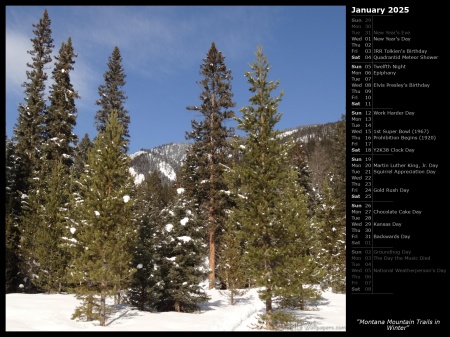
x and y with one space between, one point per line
102 315
269 323
212 262
212 246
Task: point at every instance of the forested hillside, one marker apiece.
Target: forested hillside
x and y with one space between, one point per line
167 159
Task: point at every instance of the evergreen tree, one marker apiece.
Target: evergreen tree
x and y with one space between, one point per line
59 137
46 211
49 210
320 163
339 162
145 290
232 270
180 257
81 151
28 133
271 205
304 174
106 231
28 138
333 212
331 232
203 173
112 97
31 223
12 233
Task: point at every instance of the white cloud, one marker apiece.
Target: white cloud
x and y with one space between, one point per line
17 45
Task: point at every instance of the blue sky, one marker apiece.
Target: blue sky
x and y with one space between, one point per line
162 49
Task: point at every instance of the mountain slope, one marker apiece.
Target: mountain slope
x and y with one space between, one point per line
168 158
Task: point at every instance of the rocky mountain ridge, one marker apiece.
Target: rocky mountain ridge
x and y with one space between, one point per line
168 158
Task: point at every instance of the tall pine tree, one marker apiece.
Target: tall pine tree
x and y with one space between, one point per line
47 210
59 138
203 172
112 97
105 233
271 205
27 138
12 233
28 132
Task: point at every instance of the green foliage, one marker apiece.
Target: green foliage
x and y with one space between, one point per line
27 138
105 233
50 213
58 123
203 170
44 224
231 269
330 216
45 212
180 257
145 290
301 299
80 156
271 205
28 129
12 233
280 320
31 224
112 97
339 163
331 227
304 174
90 309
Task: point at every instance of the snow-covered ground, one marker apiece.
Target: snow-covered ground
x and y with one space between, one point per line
44 312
